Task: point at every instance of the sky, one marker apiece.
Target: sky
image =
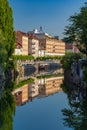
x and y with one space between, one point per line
52 15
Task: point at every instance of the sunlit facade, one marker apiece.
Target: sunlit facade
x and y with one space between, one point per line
54 47
38 44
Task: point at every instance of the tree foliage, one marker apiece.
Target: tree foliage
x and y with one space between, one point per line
7 108
3 52
6 26
76 31
49 58
21 57
75 116
68 59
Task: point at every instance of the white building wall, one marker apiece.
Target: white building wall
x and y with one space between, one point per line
41 53
18 52
34 47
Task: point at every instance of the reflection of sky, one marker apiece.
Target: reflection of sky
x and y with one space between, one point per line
42 114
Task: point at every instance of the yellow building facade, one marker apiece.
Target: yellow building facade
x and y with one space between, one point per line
54 47
25 45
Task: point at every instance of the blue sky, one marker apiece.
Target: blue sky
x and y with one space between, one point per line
52 15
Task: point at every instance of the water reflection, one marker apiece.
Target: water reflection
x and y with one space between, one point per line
7 108
76 115
41 87
26 71
12 94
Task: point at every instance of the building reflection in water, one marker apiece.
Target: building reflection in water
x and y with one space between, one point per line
40 88
50 86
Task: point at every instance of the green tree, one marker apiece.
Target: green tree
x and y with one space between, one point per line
76 116
7 108
3 52
68 59
76 31
3 55
6 26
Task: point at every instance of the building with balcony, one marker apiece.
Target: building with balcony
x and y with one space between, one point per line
48 46
54 47
33 46
26 44
38 43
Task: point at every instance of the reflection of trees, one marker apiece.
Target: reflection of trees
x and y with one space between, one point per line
72 117
76 116
7 109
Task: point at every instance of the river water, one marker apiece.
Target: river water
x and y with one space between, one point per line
44 103
42 114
